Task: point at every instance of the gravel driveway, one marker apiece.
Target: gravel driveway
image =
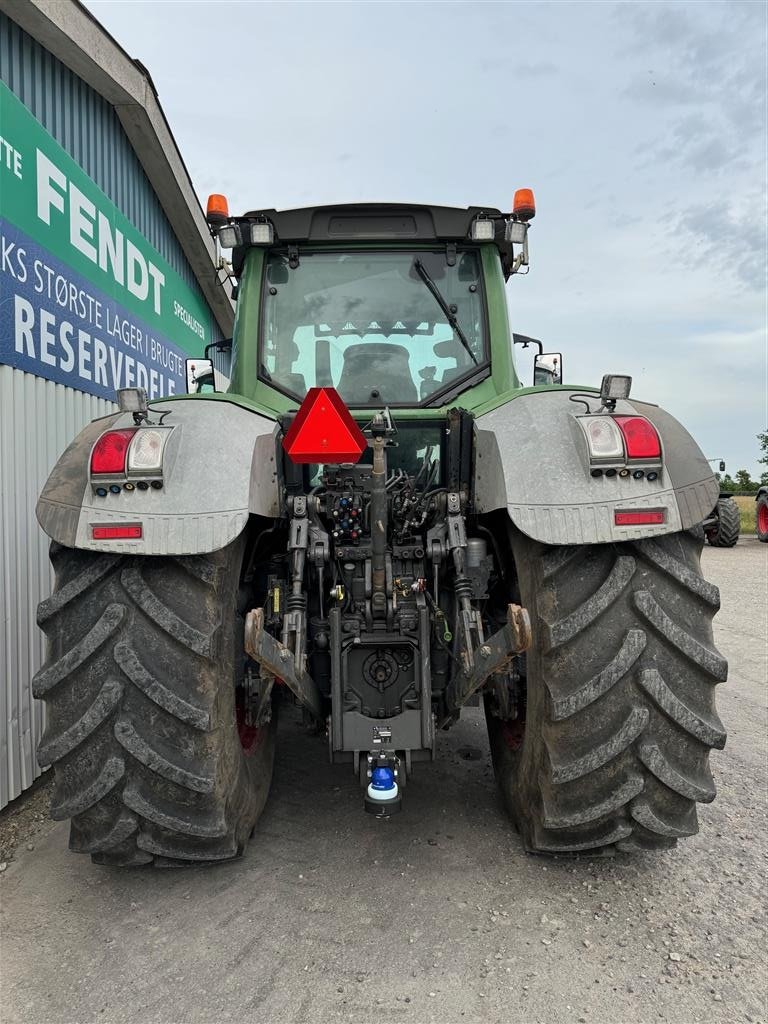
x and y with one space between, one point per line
437 915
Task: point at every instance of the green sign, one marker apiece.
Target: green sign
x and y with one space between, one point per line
85 300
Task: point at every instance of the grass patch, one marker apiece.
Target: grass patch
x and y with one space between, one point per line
747 511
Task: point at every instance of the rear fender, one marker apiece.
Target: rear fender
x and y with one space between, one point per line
532 458
219 467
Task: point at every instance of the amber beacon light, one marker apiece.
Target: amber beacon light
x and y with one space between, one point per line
524 205
217 210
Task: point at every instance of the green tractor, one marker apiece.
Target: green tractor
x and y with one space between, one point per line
379 522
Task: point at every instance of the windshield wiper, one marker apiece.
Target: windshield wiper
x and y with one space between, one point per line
426 277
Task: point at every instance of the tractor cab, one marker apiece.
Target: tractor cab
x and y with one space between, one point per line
391 305
372 325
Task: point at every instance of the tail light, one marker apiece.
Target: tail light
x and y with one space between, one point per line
145 455
132 451
111 451
604 438
127 532
640 517
618 439
640 437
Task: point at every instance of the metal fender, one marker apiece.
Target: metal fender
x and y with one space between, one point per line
532 458
218 468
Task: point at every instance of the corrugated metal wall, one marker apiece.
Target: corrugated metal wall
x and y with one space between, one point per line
37 417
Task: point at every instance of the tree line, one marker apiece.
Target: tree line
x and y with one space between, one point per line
742 481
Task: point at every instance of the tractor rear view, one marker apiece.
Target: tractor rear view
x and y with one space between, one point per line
379 522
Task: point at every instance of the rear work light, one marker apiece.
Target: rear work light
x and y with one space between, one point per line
128 532
230 236
483 230
640 436
111 450
262 233
638 517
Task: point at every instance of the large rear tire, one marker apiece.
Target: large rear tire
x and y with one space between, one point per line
139 687
725 531
620 712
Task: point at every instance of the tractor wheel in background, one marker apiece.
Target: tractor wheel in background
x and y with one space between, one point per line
620 710
761 511
151 760
725 532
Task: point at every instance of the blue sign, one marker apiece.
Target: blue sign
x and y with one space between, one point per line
56 324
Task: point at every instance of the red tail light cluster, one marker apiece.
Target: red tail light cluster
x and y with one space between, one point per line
640 438
110 452
640 517
617 440
131 532
131 451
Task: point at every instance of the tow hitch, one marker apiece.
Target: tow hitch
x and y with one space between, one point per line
383 795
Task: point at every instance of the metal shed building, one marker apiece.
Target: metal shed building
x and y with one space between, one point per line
107 279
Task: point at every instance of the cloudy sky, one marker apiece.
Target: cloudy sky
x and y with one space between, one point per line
640 126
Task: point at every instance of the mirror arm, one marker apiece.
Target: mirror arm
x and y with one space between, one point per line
525 341
219 346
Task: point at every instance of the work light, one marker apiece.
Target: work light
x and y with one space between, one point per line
516 231
262 233
132 399
615 386
483 230
229 236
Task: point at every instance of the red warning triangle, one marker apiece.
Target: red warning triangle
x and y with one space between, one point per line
324 430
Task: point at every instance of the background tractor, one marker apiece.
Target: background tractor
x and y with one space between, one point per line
761 514
380 522
723 525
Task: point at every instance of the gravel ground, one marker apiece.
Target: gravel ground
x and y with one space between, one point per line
25 818
437 915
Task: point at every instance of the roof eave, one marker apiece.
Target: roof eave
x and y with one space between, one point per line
74 37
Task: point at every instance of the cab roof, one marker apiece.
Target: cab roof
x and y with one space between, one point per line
355 222
377 222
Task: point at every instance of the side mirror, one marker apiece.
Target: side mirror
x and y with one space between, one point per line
548 369
199 376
